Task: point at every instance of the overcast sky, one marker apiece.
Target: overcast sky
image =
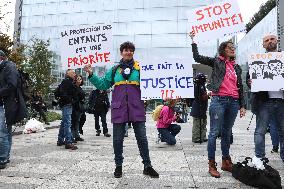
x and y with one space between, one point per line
248 9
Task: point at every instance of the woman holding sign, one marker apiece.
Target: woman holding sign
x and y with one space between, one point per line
227 99
126 106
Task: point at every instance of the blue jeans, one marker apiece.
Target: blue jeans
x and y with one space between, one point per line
65 127
142 142
5 138
264 114
274 131
223 112
168 134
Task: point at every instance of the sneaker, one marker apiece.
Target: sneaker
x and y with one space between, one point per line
79 139
107 135
71 146
257 162
98 133
3 166
118 172
151 172
275 149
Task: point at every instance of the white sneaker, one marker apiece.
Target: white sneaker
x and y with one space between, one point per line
258 163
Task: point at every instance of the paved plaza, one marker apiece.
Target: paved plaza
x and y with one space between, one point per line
36 161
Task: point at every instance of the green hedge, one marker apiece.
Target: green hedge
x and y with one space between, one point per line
52 116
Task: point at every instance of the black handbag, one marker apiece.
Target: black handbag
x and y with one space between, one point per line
268 178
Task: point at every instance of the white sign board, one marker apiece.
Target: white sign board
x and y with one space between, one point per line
163 78
216 20
86 45
267 71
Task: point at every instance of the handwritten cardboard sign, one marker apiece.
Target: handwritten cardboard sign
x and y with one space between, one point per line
163 78
86 45
216 20
267 71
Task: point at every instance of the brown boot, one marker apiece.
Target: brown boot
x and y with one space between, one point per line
227 164
212 169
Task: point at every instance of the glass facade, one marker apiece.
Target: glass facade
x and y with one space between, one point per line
158 28
252 42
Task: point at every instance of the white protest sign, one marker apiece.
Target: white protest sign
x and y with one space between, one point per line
267 71
86 45
163 78
216 20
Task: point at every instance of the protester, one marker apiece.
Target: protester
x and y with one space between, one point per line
39 106
99 103
78 108
11 110
126 106
227 99
67 90
166 129
267 105
199 108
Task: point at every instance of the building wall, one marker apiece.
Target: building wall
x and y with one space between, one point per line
252 42
157 27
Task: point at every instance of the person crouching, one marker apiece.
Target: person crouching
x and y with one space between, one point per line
166 129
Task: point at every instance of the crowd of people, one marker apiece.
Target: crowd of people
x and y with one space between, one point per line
127 108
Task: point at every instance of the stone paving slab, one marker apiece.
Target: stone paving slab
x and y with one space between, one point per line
36 161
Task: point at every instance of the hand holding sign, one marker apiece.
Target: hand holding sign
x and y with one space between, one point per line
88 69
192 35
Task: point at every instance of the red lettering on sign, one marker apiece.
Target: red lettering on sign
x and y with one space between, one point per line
90 59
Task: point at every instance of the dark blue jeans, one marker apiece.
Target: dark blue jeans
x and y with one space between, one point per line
168 134
274 131
264 114
142 142
65 127
223 112
5 138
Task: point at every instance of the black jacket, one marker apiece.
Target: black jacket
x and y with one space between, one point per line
67 92
98 101
79 100
218 73
200 103
10 95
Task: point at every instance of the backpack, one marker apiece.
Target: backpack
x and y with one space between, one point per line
156 112
25 85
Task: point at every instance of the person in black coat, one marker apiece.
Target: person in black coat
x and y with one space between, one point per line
39 106
67 92
199 108
78 108
12 106
99 105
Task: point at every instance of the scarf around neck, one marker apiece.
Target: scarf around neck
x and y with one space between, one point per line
127 67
